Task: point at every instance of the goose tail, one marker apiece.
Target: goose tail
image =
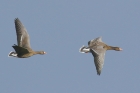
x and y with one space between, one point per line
12 54
84 49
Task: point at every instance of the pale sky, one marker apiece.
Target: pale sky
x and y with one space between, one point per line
61 27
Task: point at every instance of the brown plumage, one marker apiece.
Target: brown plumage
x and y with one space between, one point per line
23 49
98 49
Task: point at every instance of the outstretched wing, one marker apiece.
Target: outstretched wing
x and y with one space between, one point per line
98 52
23 39
94 41
20 50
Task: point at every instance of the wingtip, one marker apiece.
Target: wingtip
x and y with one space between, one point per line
100 37
17 19
99 73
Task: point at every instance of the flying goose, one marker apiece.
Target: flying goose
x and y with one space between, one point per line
98 48
23 48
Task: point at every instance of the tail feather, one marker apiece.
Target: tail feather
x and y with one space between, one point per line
84 49
12 54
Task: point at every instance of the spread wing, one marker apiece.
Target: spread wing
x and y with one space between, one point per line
20 50
98 52
96 40
23 39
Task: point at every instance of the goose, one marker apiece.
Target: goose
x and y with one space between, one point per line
23 48
98 48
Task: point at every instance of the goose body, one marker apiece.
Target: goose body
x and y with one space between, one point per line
23 49
98 48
